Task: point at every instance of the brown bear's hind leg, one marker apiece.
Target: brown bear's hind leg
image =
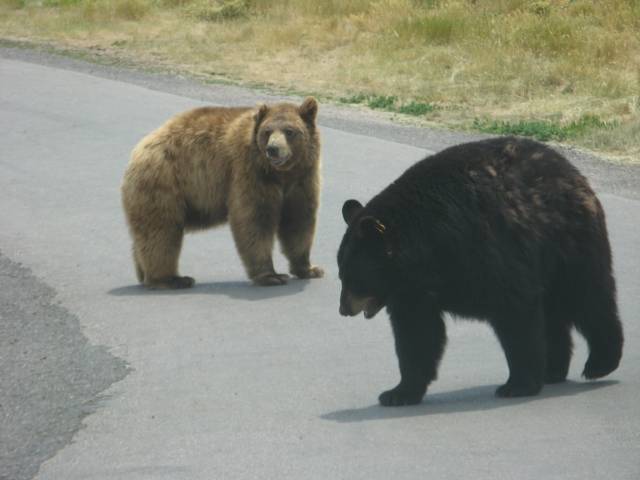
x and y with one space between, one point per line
139 271
157 258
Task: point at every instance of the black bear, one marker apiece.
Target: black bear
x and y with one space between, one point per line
504 230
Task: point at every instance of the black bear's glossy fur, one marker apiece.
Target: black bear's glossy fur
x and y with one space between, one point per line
504 230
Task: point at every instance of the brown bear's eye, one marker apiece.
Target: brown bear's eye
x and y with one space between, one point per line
289 132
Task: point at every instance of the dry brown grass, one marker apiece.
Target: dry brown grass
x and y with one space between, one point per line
510 60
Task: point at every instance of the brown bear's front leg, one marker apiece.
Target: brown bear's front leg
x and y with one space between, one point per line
254 218
297 229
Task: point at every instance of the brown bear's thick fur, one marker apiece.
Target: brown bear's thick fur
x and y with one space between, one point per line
257 168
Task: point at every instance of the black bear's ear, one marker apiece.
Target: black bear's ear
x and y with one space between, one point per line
261 112
308 110
350 209
370 226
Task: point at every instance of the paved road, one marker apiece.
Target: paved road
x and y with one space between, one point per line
102 380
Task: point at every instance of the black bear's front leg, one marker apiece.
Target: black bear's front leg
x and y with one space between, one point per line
420 339
522 336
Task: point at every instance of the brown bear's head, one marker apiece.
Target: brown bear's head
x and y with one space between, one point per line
286 134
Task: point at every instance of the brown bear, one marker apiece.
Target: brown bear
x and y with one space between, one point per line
257 168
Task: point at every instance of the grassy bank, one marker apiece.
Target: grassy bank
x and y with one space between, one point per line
566 70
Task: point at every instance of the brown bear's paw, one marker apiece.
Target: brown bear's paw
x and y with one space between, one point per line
271 279
172 283
308 272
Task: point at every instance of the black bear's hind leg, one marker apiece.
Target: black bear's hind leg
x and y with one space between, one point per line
559 348
420 339
521 334
593 289
601 327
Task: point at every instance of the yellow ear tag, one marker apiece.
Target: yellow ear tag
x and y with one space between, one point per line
380 227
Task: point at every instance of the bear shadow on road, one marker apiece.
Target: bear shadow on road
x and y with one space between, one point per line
243 290
458 401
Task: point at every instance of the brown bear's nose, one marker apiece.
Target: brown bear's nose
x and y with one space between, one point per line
272 151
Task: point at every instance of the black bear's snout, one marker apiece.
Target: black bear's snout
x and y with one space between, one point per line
345 305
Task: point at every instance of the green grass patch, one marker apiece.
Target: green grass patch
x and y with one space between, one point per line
60 3
354 99
13 4
389 103
382 102
543 129
416 108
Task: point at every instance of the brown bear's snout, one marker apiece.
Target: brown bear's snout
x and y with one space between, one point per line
278 151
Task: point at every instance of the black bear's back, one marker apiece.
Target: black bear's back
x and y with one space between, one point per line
512 183
490 217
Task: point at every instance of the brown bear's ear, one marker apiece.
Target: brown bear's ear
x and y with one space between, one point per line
350 209
260 114
308 110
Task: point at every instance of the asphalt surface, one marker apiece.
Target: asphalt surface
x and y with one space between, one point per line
100 379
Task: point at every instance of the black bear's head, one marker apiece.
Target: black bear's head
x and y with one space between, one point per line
364 262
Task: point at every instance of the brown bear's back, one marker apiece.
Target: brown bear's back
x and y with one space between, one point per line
190 158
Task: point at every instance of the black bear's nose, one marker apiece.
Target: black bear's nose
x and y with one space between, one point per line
272 151
344 311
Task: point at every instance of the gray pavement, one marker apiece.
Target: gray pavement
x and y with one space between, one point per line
51 377
231 381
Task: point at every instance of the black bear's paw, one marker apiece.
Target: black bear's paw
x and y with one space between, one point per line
510 390
596 368
271 279
555 377
397 397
